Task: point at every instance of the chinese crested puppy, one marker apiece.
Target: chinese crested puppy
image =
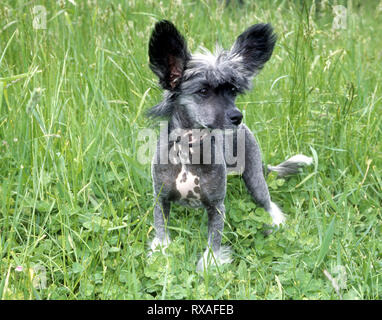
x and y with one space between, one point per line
205 137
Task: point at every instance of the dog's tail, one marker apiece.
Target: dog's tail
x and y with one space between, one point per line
291 166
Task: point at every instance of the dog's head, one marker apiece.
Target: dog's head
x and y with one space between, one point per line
201 88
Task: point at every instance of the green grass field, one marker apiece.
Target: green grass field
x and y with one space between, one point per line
76 205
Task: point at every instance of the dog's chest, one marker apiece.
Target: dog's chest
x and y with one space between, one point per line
188 185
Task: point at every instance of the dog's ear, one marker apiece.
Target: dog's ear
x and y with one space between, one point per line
254 46
168 54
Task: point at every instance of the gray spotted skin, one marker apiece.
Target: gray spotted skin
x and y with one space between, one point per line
207 190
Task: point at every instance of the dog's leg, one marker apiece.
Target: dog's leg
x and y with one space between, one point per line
215 254
161 214
254 178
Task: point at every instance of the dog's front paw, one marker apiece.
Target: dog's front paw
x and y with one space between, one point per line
277 216
211 258
159 244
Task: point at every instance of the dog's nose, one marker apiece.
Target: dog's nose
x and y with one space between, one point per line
235 117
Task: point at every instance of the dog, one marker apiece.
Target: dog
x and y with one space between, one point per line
199 94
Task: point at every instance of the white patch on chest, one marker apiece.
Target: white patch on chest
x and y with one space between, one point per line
188 186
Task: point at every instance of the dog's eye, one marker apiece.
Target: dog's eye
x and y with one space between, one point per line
234 91
203 91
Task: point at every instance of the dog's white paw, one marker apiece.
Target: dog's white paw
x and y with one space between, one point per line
211 258
159 244
277 216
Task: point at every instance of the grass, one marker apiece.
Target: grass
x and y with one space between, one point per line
76 205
